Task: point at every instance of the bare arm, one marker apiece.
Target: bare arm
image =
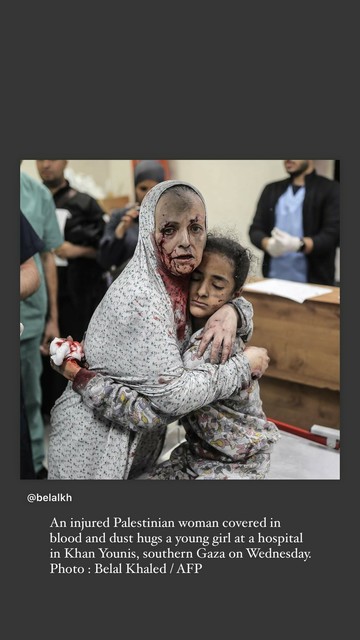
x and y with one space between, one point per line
68 250
52 326
29 278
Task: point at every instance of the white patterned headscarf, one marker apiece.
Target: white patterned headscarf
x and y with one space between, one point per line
133 333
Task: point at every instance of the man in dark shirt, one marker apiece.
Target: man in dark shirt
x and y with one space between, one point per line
81 280
297 225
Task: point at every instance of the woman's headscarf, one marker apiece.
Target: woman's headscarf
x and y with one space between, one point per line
133 334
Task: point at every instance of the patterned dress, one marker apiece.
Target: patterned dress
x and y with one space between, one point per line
229 439
135 339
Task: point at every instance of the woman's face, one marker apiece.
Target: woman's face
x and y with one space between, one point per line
180 233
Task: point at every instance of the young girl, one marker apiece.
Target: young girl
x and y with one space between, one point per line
227 439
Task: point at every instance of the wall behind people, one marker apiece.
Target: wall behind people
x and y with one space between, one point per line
231 187
113 176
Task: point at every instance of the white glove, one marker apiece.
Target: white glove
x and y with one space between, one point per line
285 241
274 248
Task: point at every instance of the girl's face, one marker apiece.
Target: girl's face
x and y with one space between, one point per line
180 235
212 285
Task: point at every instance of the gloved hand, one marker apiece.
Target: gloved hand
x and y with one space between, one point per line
275 248
285 241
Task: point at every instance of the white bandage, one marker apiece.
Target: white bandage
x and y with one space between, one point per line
61 349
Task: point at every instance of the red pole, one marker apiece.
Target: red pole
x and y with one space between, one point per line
303 433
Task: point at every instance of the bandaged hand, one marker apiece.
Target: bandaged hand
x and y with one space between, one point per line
65 349
284 242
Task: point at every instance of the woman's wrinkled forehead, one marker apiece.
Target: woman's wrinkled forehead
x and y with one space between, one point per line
176 201
185 192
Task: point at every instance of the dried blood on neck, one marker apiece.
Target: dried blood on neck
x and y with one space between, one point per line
177 288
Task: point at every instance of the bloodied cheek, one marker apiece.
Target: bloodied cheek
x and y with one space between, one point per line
180 239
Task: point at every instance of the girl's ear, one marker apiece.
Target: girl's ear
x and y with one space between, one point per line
238 292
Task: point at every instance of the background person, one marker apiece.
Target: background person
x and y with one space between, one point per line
297 225
30 280
38 312
81 280
121 232
30 244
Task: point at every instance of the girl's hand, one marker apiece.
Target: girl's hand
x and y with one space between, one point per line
259 360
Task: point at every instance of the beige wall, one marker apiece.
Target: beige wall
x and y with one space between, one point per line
231 188
113 176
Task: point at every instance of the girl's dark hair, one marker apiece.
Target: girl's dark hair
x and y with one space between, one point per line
239 256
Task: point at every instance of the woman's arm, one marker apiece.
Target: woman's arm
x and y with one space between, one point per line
111 399
118 402
188 390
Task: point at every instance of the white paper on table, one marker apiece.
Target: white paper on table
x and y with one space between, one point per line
62 215
297 291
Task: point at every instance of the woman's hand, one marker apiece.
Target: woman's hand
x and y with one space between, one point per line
67 357
259 360
69 368
221 330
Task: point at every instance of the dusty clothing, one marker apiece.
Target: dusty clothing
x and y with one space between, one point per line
229 439
135 337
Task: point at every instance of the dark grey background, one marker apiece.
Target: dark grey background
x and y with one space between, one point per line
288 106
